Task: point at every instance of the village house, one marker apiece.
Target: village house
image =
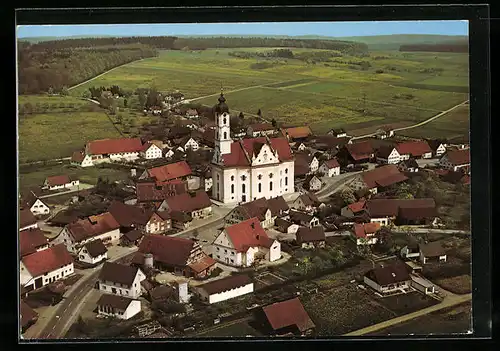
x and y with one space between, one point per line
452 177
77 234
188 143
258 208
79 158
307 202
365 233
167 173
389 279
151 151
260 130
456 160
337 133
93 252
191 113
438 147
155 110
303 219
410 251
385 132
225 288
312 183
150 194
180 220
422 285
329 143
60 182
306 159
354 209
35 205
330 168
195 204
278 206
27 316
426 215
31 241
388 154
107 150
432 252
128 216
27 220
356 153
244 244
415 149
285 226
132 237
168 153
409 165
285 318
45 266
121 279
300 147
177 255
311 238
378 179
159 223
120 307
386 211
297 134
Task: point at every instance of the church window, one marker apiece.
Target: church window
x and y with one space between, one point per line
286 170
243 188
270 186
232 178
259 177
224 120
243 177
225 135
281 183
270 175
286 180
260 187
232 188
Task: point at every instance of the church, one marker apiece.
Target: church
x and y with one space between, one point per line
248 169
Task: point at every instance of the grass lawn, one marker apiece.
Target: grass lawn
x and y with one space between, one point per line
461 284
49 136
240 329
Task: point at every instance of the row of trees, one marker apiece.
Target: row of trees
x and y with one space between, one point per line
459 47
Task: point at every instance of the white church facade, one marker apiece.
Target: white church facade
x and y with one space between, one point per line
247 169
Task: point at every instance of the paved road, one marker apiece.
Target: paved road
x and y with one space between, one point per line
80 187
431 230
336 184
448 301
415 125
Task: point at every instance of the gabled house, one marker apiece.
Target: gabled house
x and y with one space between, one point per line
35 205
260 129
188 143
432 252
311 238
151 151
278 207
307 202
77 234
438 147
416 216
79 158
385 132
150 194
365 233
297 134
386 211
300 147
303 219
330 168
159 222
244 244
177 255
60 182
357 152
329 143
389 279
106 150
285 318
180 220
31 241
27 220
409 165
120 307
378 178
286 226
44 267
129 216
132 237
312 183
27 316
354 209
306 159
255 209
225 288
456 160
121 279
388 154
415 149
164 174
195 204
337 133
191 113
93 252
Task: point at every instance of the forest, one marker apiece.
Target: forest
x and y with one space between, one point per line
459 47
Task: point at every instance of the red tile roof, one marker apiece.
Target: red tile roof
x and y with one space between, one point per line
170 171
78 156
414 148
202 264
92 226
382 176
248 234
458 157
149 191
390 207
360 151
305 235
58 180
298 132
256 208
27 314
258 127
333 163
226 284
189 202
357 206
30 240
390 274
361 230
26 218
242 151
48 260
128 215
167 250
288 313
114 146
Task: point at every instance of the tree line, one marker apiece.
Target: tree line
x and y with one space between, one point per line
461 47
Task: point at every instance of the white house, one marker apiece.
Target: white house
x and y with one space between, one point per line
120 279
45 266
330 168
301 147
415 149
189 144
79 158
248 169
303 219
312 183
107 150
338 133
432 252
118 306
60 182
169 153
93 252
456 160
255 209
365 233
36 206
310 238
151 151
307 202
77 234
388 155
260 129
410 251
422 285
389 279
225 288
191 113
244 243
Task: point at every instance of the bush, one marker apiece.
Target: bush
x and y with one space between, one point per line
379 71
215 273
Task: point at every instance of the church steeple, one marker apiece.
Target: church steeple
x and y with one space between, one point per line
221 107
222 133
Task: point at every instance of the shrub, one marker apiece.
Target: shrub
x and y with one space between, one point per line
379 71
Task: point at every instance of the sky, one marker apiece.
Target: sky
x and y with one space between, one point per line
334 29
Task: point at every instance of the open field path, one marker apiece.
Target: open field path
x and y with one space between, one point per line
44 161
418 124
449 301
112 69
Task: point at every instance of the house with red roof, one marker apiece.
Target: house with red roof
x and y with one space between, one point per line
32 240
60 182
354 209
356 152
294 134
244 244
330 168
79 158
151 151
151 194
103 226
455 160
267 211
195 204
378 178
364 233
247 169
166 173
27 220
414 149
44 267
106 150
35 205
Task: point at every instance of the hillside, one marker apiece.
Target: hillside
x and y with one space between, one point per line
393 42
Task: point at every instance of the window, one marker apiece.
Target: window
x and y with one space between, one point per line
218 256
281 183
260 187
224 120
232 188
232 261
232 178
286 180
259 177
286 170
243 177
243 188
271 186
225 251
217 177
217 249
225 135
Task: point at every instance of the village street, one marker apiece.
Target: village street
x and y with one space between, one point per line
334 184
81 186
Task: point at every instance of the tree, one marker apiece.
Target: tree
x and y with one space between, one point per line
259 113
86 94
384 238
348 196
142 100
125 103
28 108
306 265
241 116
50 91
119 119
64 90
274 123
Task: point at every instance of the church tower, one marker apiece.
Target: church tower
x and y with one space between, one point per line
223 139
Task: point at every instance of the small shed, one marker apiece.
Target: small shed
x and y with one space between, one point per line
422 285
